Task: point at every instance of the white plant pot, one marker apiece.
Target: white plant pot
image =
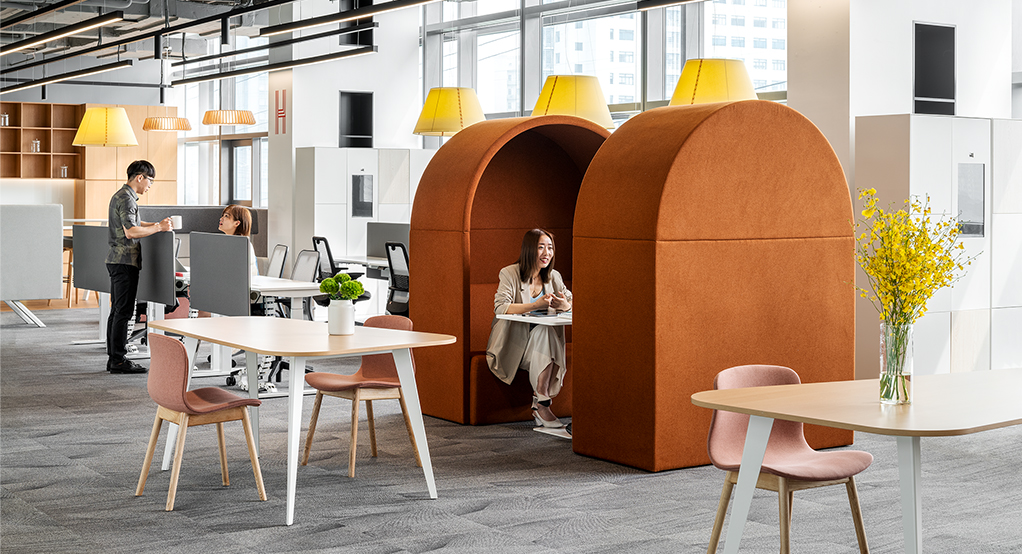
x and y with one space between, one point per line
341 317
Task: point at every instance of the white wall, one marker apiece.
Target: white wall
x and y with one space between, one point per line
850 58
391 74
39 191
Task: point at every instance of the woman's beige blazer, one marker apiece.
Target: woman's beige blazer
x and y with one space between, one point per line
506 346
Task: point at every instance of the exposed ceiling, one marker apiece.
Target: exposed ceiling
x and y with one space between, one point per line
141 19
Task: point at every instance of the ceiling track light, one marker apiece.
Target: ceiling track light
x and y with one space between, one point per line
350 15
63 32
37 13
644 5
345 31
66 76
276 66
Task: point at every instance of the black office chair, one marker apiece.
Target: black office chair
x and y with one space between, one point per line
329 268
397 295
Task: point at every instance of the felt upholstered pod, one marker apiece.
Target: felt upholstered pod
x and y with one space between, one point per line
732 224
341 317
481 191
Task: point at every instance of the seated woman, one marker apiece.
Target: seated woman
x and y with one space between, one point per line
532 284
236 220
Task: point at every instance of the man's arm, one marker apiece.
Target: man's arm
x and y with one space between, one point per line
144 229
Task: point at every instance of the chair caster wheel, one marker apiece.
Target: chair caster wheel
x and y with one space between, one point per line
231 381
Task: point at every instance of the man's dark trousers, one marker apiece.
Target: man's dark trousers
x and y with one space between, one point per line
123 288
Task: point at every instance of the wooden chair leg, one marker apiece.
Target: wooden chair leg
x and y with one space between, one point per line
178 455
718 523
312 427
354 433
150 449
250 439
372 427
223 453
860 529
408 426
784 513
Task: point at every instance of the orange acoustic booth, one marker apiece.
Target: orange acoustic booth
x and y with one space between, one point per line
706 237
478 196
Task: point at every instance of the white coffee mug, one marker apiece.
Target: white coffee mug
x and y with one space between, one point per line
176 221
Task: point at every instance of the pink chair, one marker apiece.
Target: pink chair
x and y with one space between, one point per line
789 464
376 379
168 384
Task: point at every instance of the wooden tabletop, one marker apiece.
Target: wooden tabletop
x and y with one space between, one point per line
942 405
274 336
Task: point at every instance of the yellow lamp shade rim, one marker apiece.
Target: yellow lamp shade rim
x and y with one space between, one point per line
448 110
706 80
105 127
577 95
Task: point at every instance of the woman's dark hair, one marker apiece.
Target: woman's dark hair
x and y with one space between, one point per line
528 260
242 215
141 167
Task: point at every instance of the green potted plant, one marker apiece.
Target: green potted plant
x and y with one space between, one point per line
342 290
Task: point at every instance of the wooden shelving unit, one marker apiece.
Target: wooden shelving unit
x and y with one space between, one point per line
54 126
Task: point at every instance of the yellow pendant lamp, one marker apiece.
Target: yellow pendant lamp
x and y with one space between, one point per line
705 80
578 95
448 110
105 127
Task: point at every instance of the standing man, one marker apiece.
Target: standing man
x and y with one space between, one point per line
124 262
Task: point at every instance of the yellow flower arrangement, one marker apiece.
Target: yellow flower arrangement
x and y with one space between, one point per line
907 257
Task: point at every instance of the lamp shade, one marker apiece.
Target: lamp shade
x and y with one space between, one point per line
713 80
448 110
578 95
166 124
105 127
228 117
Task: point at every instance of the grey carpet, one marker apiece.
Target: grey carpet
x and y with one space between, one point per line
72 438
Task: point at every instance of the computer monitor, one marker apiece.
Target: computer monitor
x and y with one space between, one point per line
379 234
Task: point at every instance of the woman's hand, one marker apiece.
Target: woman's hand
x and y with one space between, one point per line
558 302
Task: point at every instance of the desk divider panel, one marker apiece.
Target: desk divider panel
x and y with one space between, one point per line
91 244
30 251
156 280
220 278
378 234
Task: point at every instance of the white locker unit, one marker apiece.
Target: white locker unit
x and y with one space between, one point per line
970 168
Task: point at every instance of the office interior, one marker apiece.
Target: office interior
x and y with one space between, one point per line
333 150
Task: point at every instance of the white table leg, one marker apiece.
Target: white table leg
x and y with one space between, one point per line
252 369
168 449
296 384
406 374
297 307
104 314
909 473
24 313
756 440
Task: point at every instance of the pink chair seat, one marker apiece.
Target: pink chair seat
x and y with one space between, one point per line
812 465
212 399
331 382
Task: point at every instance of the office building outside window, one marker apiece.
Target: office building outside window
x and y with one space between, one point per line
769 24
738 42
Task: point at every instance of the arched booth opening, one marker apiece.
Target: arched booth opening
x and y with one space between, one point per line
480 193
719 235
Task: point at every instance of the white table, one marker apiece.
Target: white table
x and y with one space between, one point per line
301 340
942 405
563 318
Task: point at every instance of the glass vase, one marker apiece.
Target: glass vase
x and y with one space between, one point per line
895 363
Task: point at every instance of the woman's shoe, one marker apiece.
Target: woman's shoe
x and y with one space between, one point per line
540 422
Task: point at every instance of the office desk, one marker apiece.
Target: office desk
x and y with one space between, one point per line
376 268
301 340
560 319
943 405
